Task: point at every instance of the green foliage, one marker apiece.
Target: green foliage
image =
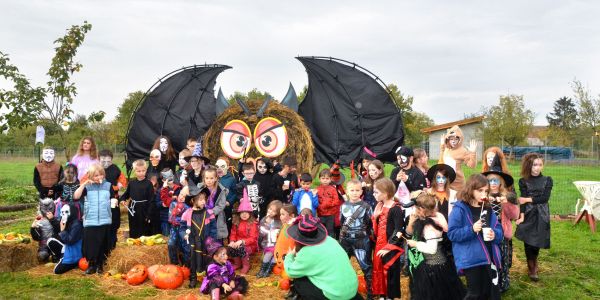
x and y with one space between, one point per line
254 94
17 194
302 94
564 115
49 287
589 111
413 121
403 102
509 122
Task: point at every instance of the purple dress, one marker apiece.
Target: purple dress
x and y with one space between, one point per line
217 274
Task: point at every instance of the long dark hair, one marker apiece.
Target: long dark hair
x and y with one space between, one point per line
476 181
527 163
171 155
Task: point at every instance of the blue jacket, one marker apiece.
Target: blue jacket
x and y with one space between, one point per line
72 237
468 248
96 211
296 199
229 182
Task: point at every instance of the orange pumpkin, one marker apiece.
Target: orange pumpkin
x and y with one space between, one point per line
284 284
83 264
168 277
186 272
137 275
151 271
362 284
277 270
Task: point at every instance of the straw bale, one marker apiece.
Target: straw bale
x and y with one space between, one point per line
123 257
18 257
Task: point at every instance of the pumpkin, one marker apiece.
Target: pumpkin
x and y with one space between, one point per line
137 274
186 272
151 271
284 284
277 270
168 277
83 264
362 284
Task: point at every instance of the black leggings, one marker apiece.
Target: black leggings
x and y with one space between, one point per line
480 285
61 268
531 252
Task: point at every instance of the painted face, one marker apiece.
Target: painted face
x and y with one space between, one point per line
374 172
379 196
69 174
481 194
48 155
284 216
105 161
221 167
403 161
155 158
489 158
210 178
494 183
182 163
167 175
221 257
140 173
538 166
440 179
261 167
353 191
163 145
86 145
326 180
453 141
65 212
305 185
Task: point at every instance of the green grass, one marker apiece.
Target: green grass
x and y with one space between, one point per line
23 286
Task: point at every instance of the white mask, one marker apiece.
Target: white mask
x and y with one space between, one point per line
163 146
404 161
105 161
48 155
490 158
65 212
221 167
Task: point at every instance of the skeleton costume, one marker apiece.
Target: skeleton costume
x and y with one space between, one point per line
252 188
45 229
47 174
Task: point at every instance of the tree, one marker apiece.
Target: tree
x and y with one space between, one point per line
413 121
27 105
564 115
589 110
404 103
509 122
254 94
302 94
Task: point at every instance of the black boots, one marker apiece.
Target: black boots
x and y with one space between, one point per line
532 268
265 270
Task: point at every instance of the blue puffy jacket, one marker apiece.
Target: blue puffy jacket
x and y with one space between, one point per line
299 195
72 237
96 211
468 248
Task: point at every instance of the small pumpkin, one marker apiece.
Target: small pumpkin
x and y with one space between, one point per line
362 284
284 284
151 271
186 272
277 270
83 264
168 277
137 274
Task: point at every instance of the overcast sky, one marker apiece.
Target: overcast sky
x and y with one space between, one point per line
452 56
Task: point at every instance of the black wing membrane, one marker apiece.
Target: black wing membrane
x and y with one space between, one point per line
180 105
346 109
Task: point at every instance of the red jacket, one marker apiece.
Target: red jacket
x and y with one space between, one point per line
329 201
248 232
167 195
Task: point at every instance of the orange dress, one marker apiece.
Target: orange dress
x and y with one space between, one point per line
283 243
379 285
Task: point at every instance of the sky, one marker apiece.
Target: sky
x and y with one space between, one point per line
453 57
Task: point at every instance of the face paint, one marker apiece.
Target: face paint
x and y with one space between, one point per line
163 146
155 157
403 161
221 167
105 161
440 179
48 155
182 162
494 181
453 140
167 175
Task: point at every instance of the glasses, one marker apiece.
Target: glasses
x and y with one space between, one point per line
494 181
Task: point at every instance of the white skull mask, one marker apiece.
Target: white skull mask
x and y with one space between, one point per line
221 167
48 155
163 146
105 161
65 212
403 161
490 158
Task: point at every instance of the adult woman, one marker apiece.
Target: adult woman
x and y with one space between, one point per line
86 156
168 155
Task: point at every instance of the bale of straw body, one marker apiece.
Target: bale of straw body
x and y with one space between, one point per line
123 257
18 257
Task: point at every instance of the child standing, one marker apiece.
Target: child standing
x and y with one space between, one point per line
140 192
71 236
375 172
85 157
243 240
184 167
221 279
96 217
251 186
216 201
388 223
329 202
197 162
168 154
168 193
476 252
357 230
285 181
66 188
269 229
47 174
264 177
229 181
304 197
177 245
118 181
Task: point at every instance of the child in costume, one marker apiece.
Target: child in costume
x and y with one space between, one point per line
441 177
304 197
47 174
168 154
71 239
221 279
388 223
201 232
179 248
494 159
197 162
43 228
140 193
217 200
454 154
268 231
227 178
243 240
264 177
251 186
407 172
118 181
285 180
65 190
475 234
329 202
357 230
287 215
167 194
155 166
533 226
433 274
421 160
184 167
375 172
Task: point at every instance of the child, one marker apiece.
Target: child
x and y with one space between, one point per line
269 228
285 181
184 167
179 248
217 200
190 144
264 177
227 178
66 188
197 162
141 194
155 163
287 215
168 193
243 240
441 176
476 252
388 222
375 172
85 157
71 239
221 278
304 197
251 186
420 161
47 174
329 202
363 167
533 226
96 217
434 276
118 181
43 228
357 230
201 232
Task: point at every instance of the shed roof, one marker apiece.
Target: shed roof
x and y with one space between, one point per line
448 125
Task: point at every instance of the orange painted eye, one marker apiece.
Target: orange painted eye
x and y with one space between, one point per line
236 139
270 137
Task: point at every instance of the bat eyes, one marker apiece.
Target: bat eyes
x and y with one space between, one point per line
270 137
236 139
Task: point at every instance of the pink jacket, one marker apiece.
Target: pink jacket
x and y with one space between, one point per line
509 212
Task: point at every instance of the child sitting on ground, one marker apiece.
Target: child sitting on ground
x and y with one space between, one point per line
243 240
329 202
304 197
43 228
221 279
269 229
71 239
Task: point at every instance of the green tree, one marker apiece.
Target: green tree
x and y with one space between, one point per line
28 105
509 122
413 121
589 111
564 115
403 102
302 94
254 94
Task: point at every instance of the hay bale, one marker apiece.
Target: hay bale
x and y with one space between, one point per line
300 144
123 258
18 257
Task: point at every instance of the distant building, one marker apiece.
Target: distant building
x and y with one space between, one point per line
534 136
472 128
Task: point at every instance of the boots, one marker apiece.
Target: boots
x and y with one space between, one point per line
215 294
237 263
235 296
193 279
268 267
100 269
91 269
368 280
263 269
245 265
532 269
